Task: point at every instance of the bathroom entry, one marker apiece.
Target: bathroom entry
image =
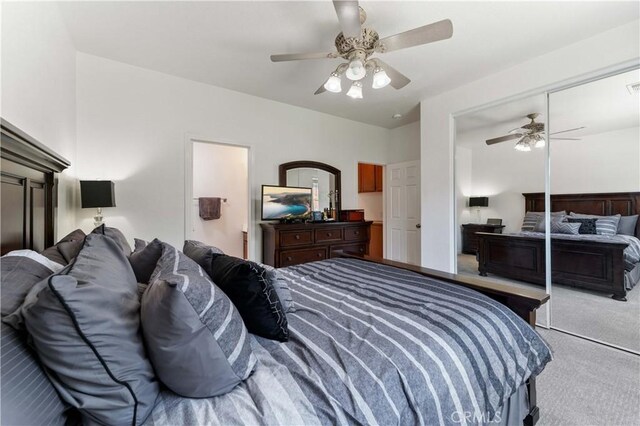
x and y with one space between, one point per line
220 199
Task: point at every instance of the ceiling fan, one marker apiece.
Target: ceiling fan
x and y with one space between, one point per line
357 44
530 135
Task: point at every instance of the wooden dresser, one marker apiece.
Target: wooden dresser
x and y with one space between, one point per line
291 244
470 239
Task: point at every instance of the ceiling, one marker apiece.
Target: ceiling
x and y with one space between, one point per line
600 106
228 44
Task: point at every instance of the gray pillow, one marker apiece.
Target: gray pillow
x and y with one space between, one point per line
627 225
605 225
66 249
139 244
276 279
20 271
144 261
200 252
116 235
85 327
194 335
531 219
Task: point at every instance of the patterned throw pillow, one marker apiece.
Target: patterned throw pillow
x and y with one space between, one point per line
195 337
587 226
605 225
565 228
531 219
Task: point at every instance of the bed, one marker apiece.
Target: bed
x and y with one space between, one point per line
371 342
594 263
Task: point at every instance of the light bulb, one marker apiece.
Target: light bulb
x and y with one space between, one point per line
333 83
523 145
539 141
355 91
356 70
380 79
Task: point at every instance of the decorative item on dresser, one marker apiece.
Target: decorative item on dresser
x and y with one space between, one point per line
291 244
469 237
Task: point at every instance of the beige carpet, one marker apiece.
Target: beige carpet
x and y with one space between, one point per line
584 312
588 384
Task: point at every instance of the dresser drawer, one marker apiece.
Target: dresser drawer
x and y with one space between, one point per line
360 248
328 234
301 256
355 233
296 238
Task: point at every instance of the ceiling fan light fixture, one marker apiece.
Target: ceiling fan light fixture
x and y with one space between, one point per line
355 91
523 145
380 78
538 141
356 70
333 83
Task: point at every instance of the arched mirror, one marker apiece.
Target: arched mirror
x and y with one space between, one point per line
312 174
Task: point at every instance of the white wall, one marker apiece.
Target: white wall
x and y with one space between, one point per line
38 88
132 124
404 143
221 171
372 203
436 146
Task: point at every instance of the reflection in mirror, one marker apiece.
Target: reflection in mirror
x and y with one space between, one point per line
600 163
499 156
311 178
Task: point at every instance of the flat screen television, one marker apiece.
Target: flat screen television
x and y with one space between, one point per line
285 202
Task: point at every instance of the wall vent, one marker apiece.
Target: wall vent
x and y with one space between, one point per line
633 88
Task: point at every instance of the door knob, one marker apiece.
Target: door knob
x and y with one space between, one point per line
418 226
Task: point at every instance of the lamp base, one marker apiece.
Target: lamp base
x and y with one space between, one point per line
97 219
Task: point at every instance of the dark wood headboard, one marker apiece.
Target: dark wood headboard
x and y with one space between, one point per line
28 190
602 204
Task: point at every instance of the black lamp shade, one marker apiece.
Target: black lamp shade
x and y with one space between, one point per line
478 201
97 193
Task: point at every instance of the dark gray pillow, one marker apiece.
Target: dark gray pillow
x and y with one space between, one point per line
85 327
200 252
144 261
65 250
627 225
194 335
116 235
276 279
139 244
20 271
587 226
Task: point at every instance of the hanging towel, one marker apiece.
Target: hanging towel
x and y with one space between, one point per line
209 207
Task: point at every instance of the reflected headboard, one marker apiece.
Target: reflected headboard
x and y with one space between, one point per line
602 204
28 190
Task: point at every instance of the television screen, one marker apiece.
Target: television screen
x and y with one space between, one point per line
285 202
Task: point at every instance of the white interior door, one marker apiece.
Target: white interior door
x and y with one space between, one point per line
403 212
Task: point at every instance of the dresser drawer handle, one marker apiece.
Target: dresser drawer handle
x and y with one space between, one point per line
328 234
297 236
357 232
319 254
289 258
361 250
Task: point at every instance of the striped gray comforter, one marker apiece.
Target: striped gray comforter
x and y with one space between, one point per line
372 344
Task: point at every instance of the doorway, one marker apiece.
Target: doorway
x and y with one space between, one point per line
218 208
371 200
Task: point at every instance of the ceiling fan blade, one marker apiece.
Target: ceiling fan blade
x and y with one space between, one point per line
398 80
566 139
437 31
349 16
321 89
300 56
502 139
568 130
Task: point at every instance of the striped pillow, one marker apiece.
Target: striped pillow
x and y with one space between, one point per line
195 337
531 219
605 225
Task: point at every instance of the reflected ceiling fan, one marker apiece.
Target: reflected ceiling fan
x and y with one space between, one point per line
357 44
530 135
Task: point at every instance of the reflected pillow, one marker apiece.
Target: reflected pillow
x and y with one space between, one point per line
627 225
531 219
605 225
587 226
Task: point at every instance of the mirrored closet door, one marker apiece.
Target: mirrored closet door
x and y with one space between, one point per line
595 177
500 163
